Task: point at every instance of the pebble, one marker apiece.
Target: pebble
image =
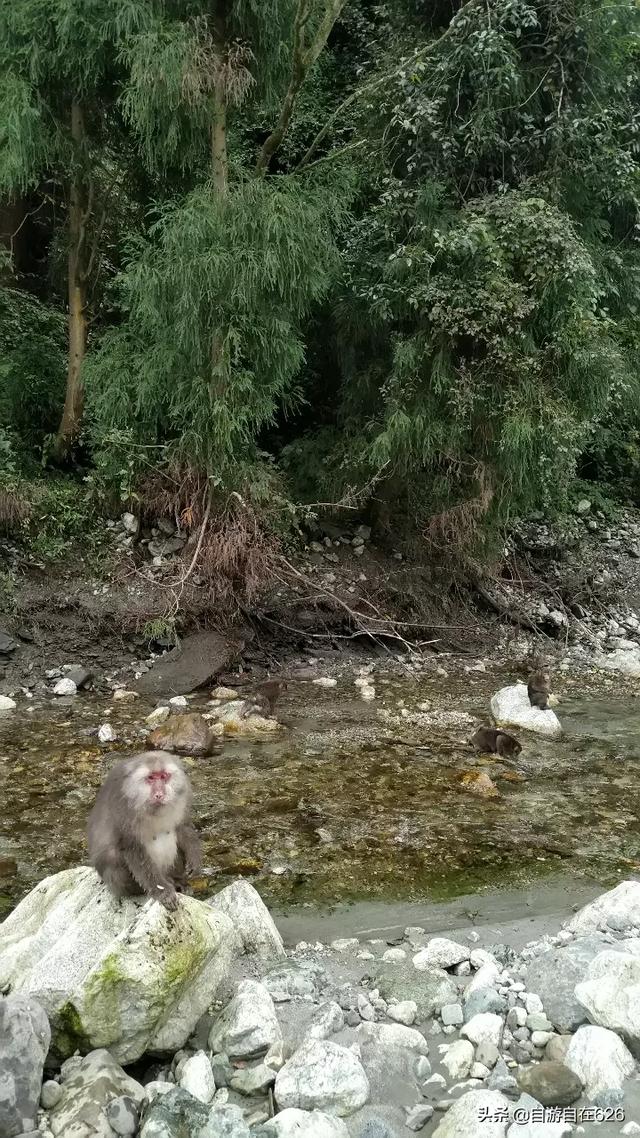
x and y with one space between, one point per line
106 733
7 704
65 687
325 682
178 701
158 716
50 1094
451 1014
532 1003
345 944
394 955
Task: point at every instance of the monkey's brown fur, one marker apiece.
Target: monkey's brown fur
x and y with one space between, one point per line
538 688
141 840
265 695
493 741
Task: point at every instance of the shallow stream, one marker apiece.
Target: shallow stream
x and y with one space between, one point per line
356 801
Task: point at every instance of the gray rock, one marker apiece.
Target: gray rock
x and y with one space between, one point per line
88 1085
81 676
484 1028
254 926
599 1059
487 1053
557 1047
296 979
65 687
462 1119
195 662
537 1021
404 1012
326 1021
389 1054
458 1059
178 1113
441 953
7 643
502 1080
484 1000
196 1077
248 1026
430 989
622 904
418 1117
25 1036
50 1094
532 1128
611 995
451 1014
609 1099
551 1083
122 1115
323 1076
553 976
294 1123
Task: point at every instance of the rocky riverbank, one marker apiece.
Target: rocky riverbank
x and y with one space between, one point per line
111 1028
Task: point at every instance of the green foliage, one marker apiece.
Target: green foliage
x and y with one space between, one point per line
212 347
32 364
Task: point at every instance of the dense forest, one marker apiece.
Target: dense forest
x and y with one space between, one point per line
261 255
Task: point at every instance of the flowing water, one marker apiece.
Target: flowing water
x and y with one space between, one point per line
349 805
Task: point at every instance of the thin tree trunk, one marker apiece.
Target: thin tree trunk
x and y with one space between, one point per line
71 421
219 160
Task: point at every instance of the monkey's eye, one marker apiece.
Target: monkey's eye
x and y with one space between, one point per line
158 776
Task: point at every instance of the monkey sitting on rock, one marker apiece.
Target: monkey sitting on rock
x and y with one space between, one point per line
538 689
141 840
494 741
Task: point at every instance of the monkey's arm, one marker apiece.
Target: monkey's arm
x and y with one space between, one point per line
189 846
155 885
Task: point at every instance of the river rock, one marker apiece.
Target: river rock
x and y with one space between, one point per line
24 1041
611 995
7 643
430 988
195 662
293 1123
248 1026
478 1114
322 1076
183 735
326 1021
65 687
484 1028
158 715
510 707
458 1058
552 1084
599 1058
623 660
123 974
405 1012
196 1077
7 704
618 909
255 929
123 1116
88 1085
178 1113
533 1128
295 979
389 1054
440 953
553 975
81 676
106 733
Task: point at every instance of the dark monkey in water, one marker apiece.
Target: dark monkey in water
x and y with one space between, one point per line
493 741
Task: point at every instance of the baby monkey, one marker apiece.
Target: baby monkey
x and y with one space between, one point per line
493 741
538 688
141 840
265 696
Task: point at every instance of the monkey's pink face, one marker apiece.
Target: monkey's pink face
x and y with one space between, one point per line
153 786
159 789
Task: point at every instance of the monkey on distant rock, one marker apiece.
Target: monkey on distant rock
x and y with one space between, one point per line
493 741
538 689
141 840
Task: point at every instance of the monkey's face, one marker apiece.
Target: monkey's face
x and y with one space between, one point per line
156 784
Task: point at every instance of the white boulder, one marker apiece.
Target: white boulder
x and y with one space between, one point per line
394 1035
65 687
478 1114
255 929
510 707
248 1026
485 1027
526 1124
619 908
599 1057
623 660
611 994
458 1058
293 1123
123 975
442 953
196 1077
7 704
322 1076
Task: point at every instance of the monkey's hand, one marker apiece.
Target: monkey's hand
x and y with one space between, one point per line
168 898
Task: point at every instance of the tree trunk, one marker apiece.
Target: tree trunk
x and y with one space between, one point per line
71 421
219 161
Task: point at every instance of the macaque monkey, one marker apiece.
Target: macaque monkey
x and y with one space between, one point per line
141 840
493 741
263 698
538 688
